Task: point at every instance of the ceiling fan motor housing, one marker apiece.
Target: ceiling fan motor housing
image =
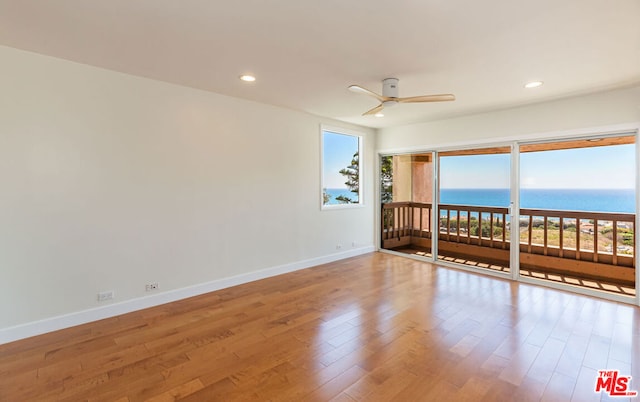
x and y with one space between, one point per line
390 87
390 96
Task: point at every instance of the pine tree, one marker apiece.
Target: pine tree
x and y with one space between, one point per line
352 173
386 179
326 197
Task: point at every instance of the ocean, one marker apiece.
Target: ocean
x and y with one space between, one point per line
619 200
335 192
568 200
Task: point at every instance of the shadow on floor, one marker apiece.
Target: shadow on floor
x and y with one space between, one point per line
569 280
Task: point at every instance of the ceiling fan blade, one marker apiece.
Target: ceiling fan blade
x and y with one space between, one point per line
365 91
374 110
428 98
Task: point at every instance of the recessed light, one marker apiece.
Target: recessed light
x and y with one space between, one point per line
247 78
533 84
379 114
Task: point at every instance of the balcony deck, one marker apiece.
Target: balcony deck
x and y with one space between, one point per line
568 280
586 249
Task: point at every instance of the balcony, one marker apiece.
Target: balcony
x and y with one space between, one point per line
589 249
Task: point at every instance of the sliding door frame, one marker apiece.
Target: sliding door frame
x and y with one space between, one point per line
514 212
515 143
583 290
637 245
513 270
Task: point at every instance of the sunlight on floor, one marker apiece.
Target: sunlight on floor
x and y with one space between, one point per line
569 280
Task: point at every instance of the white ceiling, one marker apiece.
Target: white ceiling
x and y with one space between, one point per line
306 53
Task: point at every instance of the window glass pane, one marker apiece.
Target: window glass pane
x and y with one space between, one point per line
473 215
577 213
341 181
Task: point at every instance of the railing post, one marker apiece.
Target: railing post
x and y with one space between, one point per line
382 226
411 219
561 240
479 228
545 234
407 220
491 229
615 242
530 232
504 231
468 211
577 238
396 223
595 240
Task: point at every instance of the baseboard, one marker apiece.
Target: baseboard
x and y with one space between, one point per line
85 316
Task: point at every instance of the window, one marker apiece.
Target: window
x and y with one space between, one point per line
341 179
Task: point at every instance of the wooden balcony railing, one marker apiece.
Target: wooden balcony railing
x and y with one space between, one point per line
593 245
601 244
405 223
461 223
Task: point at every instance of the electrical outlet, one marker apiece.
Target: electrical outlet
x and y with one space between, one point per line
103 296
151 286
353 244
338 246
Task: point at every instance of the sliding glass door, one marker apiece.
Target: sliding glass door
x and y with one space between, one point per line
406 183
474 226
577 216
557 211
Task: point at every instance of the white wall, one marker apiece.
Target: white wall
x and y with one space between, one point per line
604 109
110 181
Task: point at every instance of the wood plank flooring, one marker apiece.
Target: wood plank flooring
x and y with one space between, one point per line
376 327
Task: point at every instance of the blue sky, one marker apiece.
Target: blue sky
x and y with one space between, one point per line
475 171
598 167
337 154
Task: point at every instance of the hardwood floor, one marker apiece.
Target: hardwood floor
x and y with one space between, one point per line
374 327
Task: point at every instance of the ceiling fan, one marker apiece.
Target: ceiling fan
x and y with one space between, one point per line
390 97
